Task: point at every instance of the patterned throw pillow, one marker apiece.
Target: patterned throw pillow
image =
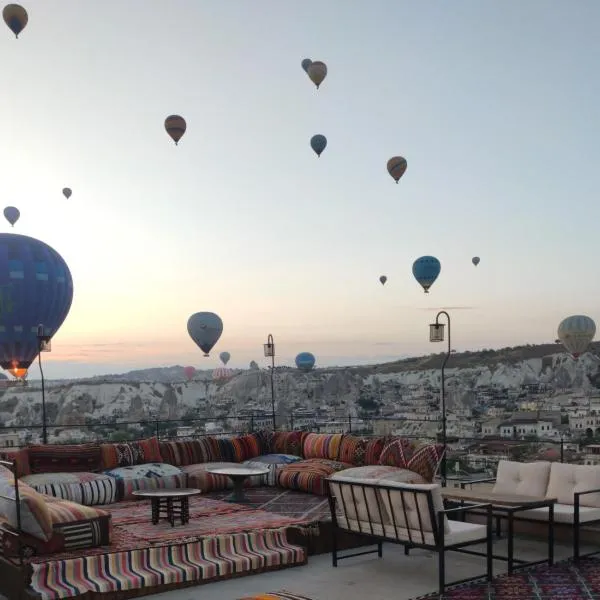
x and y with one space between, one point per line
287 442
127 454
414 455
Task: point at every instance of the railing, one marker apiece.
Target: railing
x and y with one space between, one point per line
465 454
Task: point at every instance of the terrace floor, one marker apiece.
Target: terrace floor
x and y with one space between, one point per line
395 576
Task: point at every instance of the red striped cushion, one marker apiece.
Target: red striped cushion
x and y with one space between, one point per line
322 445
192 452
309 475
71 458
246 447
287 442
127 454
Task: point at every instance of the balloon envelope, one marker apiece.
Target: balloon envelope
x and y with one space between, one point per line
36 289
189 372
222 373
383 279
224 356
475 260
305 361
15 16
67 193
318 143
12 214
306 63
576 332
175 126
205 328
396 167
317 71
426 270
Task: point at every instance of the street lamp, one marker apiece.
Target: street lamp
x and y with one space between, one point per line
436 334
44 345
270 352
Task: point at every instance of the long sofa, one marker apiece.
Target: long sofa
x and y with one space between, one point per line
61 488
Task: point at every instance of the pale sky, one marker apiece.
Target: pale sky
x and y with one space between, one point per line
493 104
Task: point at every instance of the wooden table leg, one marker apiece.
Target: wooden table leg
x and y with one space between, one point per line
155 510
185 510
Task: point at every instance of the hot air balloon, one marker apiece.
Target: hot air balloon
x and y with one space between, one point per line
426 270
318 143
475 260
222 374
305 361
396 167
12 214
317 71
189 372
383 279
224 356
15 16
576 333
67 193
175 126
306 63
36 291
205 328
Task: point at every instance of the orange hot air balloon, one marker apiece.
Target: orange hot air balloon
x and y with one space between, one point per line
175 126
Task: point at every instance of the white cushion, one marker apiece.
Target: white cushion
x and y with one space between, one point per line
566 479
406 504
458 532
356 502
525 479
563 513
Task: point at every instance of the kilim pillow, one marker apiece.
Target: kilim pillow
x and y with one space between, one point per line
422 458
127 454
322 445
287 442
246 447
68 458
361 451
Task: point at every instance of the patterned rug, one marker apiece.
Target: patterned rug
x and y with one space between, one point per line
284 502
566 580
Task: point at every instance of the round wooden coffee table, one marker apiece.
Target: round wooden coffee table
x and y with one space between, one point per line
238 476
175 503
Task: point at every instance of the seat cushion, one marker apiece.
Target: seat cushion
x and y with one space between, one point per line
152 476
566 479
200 478
563 513
84 488
35 517
381 473
309 475
524 479
273 462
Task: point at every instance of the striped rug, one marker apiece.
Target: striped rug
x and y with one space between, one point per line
219 557
282 595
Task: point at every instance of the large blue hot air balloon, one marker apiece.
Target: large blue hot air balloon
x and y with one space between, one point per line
36 291
205 328
305 361
426 270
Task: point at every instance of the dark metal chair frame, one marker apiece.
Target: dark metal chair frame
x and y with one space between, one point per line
576 526
12 466
416 537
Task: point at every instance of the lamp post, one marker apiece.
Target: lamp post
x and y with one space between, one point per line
436 334
270 352
44 345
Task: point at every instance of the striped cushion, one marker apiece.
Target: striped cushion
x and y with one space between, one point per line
273 462
199 478
361 451
182 453
127 454
65 511
85 534
225 449
309 475
246 447
84 488
35 517
49 458
322 445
